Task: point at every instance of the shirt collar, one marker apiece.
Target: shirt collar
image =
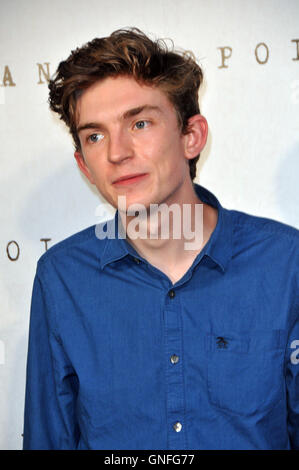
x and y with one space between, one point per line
218 248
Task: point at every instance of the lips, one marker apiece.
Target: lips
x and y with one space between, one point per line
131 177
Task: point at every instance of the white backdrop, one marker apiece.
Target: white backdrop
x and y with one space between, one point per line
250 161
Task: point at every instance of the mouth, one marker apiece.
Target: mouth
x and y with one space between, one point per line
129 179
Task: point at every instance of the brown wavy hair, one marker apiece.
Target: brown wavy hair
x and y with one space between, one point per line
128 52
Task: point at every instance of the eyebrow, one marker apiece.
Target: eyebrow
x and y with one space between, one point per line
130 113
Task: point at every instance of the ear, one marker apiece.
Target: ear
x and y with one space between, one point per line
197 135
83 166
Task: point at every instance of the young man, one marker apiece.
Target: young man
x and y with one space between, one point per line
145 342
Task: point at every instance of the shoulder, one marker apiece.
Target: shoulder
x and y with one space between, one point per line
262 241
259 227
77 249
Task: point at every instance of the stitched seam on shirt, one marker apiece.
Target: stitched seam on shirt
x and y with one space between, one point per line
183 368
165 365
57 248
53 361
270 227
42 279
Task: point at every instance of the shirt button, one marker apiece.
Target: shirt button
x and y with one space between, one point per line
174 359
177 427
137 261
171 293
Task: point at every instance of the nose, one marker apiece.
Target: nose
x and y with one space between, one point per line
119 146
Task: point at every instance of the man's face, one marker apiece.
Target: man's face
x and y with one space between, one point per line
130 129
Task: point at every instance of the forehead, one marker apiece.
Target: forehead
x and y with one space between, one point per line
112 97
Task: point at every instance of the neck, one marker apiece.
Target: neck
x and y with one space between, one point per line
170 237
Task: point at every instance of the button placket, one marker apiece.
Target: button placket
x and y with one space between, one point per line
174 372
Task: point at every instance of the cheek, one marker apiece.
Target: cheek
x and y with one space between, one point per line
172 154
94 164
164 146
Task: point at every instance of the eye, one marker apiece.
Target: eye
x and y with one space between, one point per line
94 138
141 124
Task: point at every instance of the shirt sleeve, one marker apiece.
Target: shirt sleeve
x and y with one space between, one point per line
292 382
51 384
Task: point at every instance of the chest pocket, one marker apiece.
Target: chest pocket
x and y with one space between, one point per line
245 372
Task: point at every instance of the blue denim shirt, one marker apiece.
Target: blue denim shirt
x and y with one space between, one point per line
121 358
